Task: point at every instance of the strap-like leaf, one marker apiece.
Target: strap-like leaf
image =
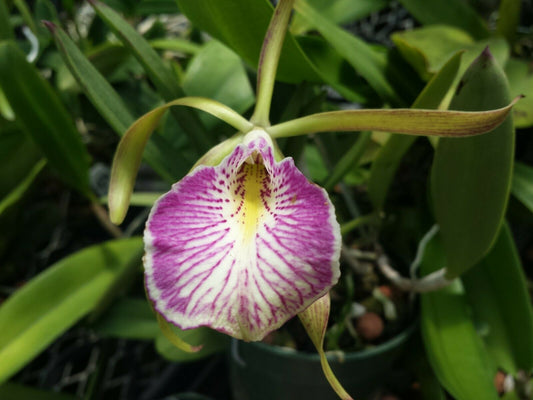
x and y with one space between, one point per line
390 155
40 311
40 112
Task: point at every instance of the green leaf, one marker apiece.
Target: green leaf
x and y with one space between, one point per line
18 155
391 154
454 348
370 64
6 30
508 19
428 48
339 12
217 73
158 152
175 44
56 299
471 177
42 115
241 25
497 291
349 161
520 75
13 391
206 342
160 74
522 184
16 194
455 13
129 318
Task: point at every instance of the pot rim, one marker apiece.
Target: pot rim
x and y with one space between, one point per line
339 355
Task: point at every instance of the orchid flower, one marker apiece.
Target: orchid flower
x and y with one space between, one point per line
245 242
243 246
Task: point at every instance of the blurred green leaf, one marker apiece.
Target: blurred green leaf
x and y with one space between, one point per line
455 13
159 73
15 195
210 340
520 75
129 318
176 44
12 391
471 177
56 299
454 348
217 73
159 153
497 291
522 184
391 154
428 48
42 115
339 12
6 30
508 19
18 155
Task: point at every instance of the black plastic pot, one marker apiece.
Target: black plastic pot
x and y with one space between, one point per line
263 372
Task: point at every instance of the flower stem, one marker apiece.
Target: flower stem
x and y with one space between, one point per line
269 59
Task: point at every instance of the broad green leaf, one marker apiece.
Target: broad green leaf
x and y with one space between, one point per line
454 348
428 48
159 73
217 73
56 299
12 391
241 25
520 75
522 184
339 12
42 115
471 177
390 155
370 64
497 291
129 318
508 19
455 13
159 153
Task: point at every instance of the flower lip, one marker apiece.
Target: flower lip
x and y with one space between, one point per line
243 246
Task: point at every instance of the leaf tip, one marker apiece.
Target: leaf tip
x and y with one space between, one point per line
49 25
